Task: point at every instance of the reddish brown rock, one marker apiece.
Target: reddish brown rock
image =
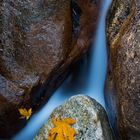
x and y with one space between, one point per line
123 83
39 40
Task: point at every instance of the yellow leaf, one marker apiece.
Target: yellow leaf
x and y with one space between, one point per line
62 129
69 121
25 113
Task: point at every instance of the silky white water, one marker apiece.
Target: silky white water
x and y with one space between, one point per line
89 80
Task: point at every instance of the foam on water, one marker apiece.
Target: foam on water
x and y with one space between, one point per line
88 79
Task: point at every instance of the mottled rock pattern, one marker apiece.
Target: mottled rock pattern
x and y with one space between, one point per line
39 40
90 116
123 83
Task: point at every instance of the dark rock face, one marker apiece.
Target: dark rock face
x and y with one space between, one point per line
123 83
39 40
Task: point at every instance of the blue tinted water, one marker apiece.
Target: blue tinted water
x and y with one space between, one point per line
88 79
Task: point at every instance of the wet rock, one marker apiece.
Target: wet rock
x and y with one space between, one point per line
123 83
39 40
90 116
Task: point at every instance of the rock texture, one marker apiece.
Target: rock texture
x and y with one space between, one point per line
123 83
39 40
91 119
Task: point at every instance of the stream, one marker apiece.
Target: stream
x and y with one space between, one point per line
88 79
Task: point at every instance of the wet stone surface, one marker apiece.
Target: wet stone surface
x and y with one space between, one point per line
38 43
123 83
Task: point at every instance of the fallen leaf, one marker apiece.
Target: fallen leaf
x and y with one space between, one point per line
25 113
62 129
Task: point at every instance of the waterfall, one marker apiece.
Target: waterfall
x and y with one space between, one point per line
88 79
98 60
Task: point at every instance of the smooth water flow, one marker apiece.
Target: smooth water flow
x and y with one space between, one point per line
98 60
88 79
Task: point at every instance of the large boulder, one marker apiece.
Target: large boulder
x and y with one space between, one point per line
39 40
123 82
91 119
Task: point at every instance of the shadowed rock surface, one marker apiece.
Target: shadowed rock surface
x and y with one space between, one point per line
91 120
39 40
123 83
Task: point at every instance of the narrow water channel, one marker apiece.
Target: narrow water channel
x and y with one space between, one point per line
88 79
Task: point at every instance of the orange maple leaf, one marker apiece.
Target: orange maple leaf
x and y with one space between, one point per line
25 113
62 129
